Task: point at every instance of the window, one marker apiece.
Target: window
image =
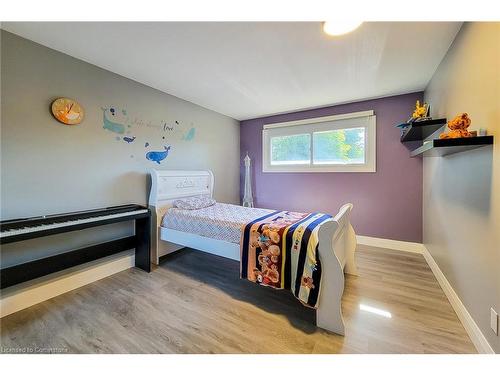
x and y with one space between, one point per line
290 149
341 143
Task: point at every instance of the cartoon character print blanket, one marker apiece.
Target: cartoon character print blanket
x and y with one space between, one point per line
280 250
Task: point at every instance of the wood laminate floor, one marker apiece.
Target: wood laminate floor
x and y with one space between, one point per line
196 303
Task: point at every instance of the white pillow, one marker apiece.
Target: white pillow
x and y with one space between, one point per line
194 203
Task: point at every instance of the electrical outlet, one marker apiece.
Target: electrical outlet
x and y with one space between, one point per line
494 321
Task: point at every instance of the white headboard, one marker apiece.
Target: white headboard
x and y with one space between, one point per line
169 185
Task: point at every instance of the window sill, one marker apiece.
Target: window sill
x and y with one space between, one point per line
321 169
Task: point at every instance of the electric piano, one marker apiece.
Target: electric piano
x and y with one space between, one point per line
40 226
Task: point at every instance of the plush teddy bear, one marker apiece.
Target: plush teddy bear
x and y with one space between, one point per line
458 127
420 111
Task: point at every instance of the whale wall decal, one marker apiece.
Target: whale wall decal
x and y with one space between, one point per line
189 135
115 127
158 156
129 139
125 127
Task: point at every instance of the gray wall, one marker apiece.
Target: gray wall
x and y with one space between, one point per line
48 167
461 197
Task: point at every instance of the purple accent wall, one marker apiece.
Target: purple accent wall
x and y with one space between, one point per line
387 203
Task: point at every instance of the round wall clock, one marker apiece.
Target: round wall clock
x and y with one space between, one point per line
67 111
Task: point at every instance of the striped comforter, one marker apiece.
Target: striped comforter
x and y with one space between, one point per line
280 250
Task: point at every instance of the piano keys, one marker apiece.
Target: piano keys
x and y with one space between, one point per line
28 228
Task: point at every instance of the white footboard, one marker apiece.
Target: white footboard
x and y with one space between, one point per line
337 243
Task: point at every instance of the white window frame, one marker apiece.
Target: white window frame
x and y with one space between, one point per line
318 124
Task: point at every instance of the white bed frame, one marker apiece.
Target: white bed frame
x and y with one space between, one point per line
337 240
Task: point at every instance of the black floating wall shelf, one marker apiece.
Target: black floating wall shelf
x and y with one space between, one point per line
419 130
443 147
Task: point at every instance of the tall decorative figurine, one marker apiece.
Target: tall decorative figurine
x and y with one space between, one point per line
247 195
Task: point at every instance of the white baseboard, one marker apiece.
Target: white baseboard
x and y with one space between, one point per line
19 297
411 247
475 334
466 319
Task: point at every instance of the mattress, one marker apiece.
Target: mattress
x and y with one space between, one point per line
221 221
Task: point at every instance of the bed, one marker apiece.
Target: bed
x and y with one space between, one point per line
217 230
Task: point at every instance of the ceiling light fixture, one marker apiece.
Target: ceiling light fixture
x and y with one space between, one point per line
340 27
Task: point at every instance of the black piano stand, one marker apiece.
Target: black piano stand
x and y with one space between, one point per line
143 243
140 241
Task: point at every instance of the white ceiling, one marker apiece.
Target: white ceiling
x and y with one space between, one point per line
251 69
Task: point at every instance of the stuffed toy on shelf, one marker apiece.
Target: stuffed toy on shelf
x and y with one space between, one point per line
421 112
458 128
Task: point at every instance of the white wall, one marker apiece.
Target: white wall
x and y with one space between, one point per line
461 206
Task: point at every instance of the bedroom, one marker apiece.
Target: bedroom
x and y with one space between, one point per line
267 151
